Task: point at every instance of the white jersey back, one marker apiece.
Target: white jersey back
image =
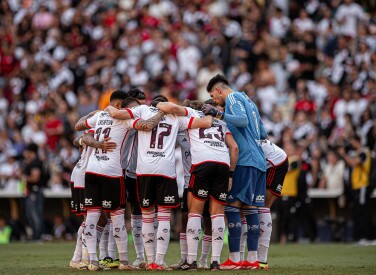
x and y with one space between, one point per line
103 162
273 154
79 169
156 149
208 144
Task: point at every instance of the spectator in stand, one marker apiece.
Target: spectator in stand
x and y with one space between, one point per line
33 174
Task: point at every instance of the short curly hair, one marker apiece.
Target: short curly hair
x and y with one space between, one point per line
219 78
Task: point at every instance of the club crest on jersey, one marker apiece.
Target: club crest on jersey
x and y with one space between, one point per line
106 204
145 202
202 193
169 199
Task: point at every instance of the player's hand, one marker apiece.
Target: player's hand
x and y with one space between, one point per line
229 184
207 109
107 145
110 110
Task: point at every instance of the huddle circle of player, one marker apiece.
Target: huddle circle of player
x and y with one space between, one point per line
128 155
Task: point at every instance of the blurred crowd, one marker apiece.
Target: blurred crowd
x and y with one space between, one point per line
309 65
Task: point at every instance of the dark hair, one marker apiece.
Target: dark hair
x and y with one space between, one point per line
194 104
357 138
32 147
219 78
136 93
211 102
118 94
125 103
160 98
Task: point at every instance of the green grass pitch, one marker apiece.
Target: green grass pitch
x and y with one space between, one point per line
53 258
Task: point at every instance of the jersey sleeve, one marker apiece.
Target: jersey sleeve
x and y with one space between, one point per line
185 123
128 123
189 111
137 111
91 121
131 123
237 115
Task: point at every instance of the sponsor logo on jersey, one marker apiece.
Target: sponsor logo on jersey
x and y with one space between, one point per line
202 192
169 199
259 198
279 188
145 202
99 158
104 114
107 204
156 154
105 122
222 196
88 201
214 143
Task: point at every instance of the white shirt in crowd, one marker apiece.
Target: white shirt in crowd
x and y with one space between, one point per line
350 15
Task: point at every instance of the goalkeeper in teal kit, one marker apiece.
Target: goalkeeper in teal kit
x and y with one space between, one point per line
249 178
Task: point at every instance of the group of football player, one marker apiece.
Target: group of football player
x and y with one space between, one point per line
128 155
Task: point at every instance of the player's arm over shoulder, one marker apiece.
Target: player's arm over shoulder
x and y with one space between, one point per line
172 108
87 122
149 124
120 114
197 122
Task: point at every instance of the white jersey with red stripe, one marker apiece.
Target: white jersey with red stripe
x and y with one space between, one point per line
156 148
208 145
78 172
273 154
107 163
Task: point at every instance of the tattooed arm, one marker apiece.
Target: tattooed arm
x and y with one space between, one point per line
106 145
148 125
81 124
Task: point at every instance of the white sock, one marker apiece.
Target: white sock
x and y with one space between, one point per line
234 256
243 239
148 235
136 225
111 241
85 252
120 234
163 235
265 233
218 234
252 256
103 244
91 233
206 244
183 246
77 255
193 236
100 230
